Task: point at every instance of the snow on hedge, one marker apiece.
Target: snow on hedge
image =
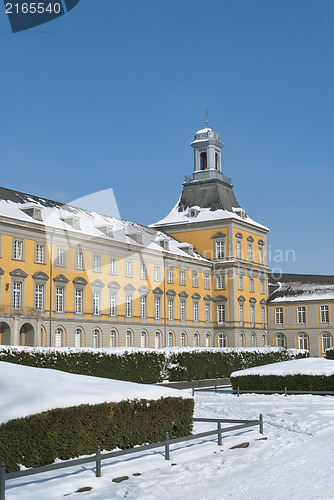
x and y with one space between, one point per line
305 366
25 390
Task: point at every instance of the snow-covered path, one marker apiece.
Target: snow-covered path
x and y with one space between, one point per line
294 462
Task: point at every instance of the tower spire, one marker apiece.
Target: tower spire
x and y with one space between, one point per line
207 119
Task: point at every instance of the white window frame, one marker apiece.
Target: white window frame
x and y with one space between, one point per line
143 339
78 300
59 337
195 279
60 257
96 302
39 297
220 249
143 272
113 265
128 269
280 339
262 287
128 305
241 314
279 316
250 251
112 303
157 307
39 253
77 335
207 281
207 311
96 336
97 263
239 249
157 274
157 340
143 306
60 299
183 307
221 314
220 282
79 260
326 340
128 338
170 309
195 311
251 285
113 338
183 339
18 249
261 254
17 294
303 341
252 315
240 282
263 316
324 314
182 277
301 315
170 275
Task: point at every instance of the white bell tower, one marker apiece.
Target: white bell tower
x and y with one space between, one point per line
207 154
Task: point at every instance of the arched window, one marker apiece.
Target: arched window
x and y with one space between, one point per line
143 339
96 342
217 161
59 336
280 340
208 340
171 339
264 340
242 339
113 338
157 340
302 341
196 339
253 340
222 340
183 339
325 341
204 162
78 337
128 338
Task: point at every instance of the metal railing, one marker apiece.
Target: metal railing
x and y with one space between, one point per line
98 456
286 392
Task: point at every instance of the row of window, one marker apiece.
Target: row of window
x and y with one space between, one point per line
220 250
301 315
303 341
251 284
251 314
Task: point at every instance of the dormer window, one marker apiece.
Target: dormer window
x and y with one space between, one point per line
107 230
164 244
193 212
34 212
186 247
137 237
72 221
239 211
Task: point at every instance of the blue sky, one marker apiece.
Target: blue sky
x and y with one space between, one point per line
111 94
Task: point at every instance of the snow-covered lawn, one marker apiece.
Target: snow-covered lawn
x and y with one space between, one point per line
25 390
306 366
294 462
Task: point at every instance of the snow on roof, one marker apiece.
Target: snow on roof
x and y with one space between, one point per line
25 390
299 287
56 215
176 217
305 366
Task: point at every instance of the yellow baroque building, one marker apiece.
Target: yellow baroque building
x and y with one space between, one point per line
198 277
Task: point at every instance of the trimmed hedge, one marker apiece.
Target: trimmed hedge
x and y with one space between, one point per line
278 383
149 366
67 433
329 353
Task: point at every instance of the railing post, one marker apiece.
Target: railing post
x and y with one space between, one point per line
192 392
238 393
2 481
220 443
285 391
98 472
167 457
215 387
261 423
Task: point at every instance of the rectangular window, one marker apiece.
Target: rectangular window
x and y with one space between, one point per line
241 314
261 254
113 265
239 250
112 303
170 309
157 307
59 299
79 260
182 277
263 316
220 249
220 282
324 314
97 263
250 252
221 313
39 253
195 279
143 271
170 275
207 281
301 314
39 296
240 282
251 284
143 302
96 303
78 300
60 257
195 312
182 310
157 274
262 288
18 249
17 294
252 315
128 306
128 268
279 315
207 312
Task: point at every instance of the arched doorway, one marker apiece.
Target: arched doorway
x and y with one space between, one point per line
5 334
27 335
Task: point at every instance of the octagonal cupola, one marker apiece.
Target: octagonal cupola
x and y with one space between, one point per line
207 152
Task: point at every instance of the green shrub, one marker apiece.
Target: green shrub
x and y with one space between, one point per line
329 353
278 383
66 433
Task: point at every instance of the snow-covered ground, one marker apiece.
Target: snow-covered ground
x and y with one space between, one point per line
294 462
25 390
306 366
